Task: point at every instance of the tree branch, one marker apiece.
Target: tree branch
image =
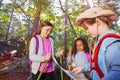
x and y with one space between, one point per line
68 18
22 11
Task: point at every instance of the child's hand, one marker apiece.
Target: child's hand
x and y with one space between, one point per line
60 52
70 48
48 57
77 70
70 51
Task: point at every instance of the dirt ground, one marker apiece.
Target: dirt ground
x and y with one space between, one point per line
13 76
21 72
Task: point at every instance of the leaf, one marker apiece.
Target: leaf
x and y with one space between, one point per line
4 16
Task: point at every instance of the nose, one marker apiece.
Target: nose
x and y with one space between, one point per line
48 33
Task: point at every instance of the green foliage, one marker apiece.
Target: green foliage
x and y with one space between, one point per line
3 27
118 13
4 16
48 11
22 31
115 27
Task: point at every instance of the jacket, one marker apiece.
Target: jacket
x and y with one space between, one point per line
37 58
108 58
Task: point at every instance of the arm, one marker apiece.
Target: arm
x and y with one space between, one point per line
70 59
83 67
59 52
80 59
70 56
32 52
112 62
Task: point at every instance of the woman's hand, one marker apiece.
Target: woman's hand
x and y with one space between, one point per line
77 70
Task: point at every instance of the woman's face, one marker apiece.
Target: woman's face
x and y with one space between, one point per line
79 45
92 30
45 31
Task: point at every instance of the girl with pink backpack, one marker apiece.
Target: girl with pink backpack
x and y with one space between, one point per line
80 56
41 52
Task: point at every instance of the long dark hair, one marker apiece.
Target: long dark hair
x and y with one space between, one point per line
43 24
85 45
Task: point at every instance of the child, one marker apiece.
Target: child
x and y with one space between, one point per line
96 22
45 53
80 55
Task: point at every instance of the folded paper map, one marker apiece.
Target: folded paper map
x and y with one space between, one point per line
69 73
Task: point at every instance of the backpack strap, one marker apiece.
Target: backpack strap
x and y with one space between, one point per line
88 56
36 47
96 52
37 44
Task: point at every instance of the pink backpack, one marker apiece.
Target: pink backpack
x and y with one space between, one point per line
88 56
37 47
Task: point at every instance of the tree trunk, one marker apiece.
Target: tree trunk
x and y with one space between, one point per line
35 24
37 18
9 24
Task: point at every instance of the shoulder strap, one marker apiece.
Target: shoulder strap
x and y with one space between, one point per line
95 59
36 47
88 56
37 44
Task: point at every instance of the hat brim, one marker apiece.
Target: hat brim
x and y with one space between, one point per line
93 13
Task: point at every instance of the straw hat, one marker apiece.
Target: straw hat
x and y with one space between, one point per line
95 12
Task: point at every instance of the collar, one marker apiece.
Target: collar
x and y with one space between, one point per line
107 32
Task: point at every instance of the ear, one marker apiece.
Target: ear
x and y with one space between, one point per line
112 17
98 22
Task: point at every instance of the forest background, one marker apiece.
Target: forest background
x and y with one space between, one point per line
20 18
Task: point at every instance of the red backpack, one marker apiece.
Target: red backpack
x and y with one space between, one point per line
95 58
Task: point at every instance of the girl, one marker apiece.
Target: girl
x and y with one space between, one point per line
96 21
45 52
80 55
